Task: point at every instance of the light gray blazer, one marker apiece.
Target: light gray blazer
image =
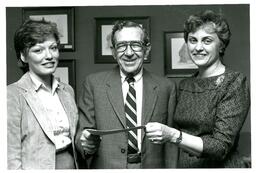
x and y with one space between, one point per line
102 107
29 133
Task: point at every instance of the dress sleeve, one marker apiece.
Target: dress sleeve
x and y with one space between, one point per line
14 139
231 113
171 150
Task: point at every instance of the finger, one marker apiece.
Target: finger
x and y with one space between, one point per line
149 127
89 151
156 139
150 135
153 129
155 134
85 133
97 139
157 142
94 137
151 139
90 137
82 137
89 147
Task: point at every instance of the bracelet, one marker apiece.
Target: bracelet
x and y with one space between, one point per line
179 139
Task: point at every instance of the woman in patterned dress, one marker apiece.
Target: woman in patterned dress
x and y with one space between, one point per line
212 105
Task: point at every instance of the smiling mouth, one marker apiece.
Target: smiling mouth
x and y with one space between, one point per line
199 55
49 64
129 60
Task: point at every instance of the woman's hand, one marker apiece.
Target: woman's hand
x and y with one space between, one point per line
159 133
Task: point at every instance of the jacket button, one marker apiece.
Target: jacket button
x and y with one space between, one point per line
122 150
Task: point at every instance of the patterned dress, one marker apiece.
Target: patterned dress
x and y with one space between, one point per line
214 109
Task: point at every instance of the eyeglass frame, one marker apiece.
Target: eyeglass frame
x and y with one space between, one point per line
126 43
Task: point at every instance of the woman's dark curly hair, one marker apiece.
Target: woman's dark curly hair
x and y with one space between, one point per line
29 34
218 23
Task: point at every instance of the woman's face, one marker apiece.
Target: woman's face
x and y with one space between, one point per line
42 58
204 46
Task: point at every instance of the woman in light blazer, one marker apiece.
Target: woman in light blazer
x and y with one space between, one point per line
41 111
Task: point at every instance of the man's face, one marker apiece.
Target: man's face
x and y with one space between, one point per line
129 50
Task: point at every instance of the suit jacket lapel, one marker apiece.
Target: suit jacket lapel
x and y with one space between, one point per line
149 99
115 95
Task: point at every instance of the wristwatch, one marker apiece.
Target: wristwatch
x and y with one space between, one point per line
179 139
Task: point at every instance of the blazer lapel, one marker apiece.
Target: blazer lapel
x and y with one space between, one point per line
149 99
36 105
39 112
115 95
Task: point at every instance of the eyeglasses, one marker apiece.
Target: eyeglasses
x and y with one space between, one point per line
136 46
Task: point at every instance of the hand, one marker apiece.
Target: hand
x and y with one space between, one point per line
159 133
89 142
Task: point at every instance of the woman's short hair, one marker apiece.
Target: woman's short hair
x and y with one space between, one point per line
218 23
120 24
29 34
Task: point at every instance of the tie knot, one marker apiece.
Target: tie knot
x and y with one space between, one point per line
130 79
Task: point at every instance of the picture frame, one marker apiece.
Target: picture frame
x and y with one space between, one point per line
62 16
103 30
177 60
66 72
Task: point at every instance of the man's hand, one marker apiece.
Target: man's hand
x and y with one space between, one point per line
89 142
159 133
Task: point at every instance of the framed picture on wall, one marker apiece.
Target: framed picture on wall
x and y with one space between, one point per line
62 16
177 60
104 27
66 72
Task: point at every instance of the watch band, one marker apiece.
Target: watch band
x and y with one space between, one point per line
179 139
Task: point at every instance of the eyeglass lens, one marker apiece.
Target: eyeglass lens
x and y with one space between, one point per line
134 45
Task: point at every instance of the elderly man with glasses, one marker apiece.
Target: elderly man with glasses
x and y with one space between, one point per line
126 97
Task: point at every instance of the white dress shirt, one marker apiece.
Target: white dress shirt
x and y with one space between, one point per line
138 86
56 113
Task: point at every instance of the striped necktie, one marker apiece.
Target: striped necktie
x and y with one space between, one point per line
131 117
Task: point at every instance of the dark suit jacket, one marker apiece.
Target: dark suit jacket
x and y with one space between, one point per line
101 106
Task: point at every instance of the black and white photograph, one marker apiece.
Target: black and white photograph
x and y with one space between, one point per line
177 60
62 16
121 86
103 44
